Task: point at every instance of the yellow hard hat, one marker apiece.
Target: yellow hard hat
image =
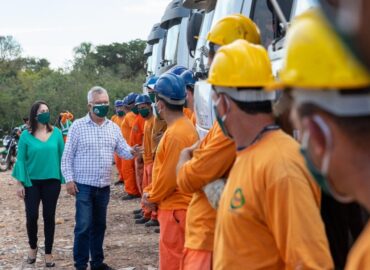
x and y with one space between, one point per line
241 64
316 59
234 27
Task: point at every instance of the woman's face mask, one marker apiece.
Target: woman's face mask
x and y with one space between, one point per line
43 118
320 175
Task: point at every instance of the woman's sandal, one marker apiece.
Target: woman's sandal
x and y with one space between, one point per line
49 264
32 260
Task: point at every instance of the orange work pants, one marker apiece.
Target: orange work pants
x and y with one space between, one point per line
147 179
139 171
196 260
128 169
171 238
118 162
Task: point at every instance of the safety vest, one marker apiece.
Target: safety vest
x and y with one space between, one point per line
65 127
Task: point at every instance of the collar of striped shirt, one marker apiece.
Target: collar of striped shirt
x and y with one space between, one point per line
89 120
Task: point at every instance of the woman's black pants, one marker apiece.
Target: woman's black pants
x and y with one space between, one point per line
47 192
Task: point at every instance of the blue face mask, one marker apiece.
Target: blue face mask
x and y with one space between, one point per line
321 175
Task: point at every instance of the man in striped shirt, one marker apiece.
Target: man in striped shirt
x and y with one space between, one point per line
87 166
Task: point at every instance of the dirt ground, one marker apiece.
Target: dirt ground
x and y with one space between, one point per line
127 246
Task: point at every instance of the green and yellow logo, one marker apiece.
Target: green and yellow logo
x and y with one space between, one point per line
238 199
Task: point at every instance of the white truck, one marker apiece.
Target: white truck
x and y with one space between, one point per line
154 49
172 41
272 18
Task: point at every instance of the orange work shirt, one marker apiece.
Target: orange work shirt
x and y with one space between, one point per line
211 161
359 256
269 213
159 127
148 129
189 114
127 124
114 116
164 190
117 119
137 131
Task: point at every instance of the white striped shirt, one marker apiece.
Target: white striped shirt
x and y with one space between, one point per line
88 152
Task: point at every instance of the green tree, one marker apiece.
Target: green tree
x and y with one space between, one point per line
9 48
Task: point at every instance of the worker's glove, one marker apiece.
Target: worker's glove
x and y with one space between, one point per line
213 192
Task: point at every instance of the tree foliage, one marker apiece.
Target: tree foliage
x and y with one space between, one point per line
118 67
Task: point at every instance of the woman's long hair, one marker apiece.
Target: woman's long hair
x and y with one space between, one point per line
33 116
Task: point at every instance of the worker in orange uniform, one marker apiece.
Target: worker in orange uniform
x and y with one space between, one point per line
269 212
178 70
202 168
117 118
331 109
136 138
65 121
119 112
172 203
189 80
128 166
149 216
159 125
144 105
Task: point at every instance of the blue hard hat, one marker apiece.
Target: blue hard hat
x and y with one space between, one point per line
177 70
188 78
131 98
151 82
142 99
118 103
124 101
171 88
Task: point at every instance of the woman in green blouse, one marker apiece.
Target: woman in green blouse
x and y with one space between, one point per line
37 170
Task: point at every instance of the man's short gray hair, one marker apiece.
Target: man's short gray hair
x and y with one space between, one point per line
95 90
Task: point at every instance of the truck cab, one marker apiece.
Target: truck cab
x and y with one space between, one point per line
148 53
154 49
174 21
272 28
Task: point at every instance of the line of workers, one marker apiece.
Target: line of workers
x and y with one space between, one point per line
249 195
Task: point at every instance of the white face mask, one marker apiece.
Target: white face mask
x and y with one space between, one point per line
156 111
321 175
221 119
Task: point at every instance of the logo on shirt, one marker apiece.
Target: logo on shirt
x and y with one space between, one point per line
238 199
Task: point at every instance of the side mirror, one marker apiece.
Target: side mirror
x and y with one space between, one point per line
194 24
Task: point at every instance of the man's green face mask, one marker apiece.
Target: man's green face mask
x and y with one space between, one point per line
100 110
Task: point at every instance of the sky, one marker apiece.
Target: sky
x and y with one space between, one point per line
51 29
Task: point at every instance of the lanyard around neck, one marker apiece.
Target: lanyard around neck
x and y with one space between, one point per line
267 128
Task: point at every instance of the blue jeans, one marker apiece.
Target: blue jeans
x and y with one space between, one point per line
91 215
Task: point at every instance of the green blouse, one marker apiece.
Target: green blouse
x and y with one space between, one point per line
38 160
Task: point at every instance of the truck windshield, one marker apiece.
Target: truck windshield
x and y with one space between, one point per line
206 25
226 7
149 70
171 44
303 5
154 60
